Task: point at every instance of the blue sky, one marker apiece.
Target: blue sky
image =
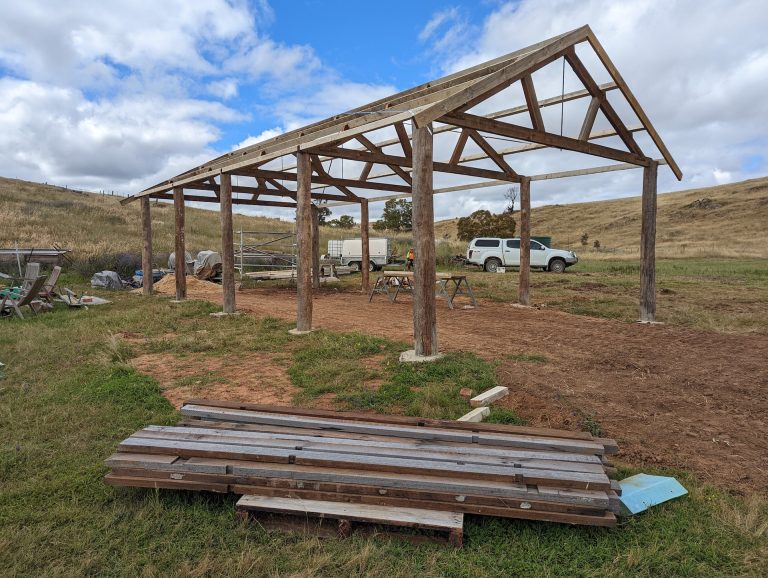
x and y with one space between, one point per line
122 94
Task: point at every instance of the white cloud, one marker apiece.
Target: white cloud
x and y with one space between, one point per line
436 21
59 134
252 140
331 97
224 89
698 68
123 94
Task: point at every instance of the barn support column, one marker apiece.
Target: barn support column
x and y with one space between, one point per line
364 274
304 242
146 249
227 243
315 247
525 242
648 245
180 271
424 278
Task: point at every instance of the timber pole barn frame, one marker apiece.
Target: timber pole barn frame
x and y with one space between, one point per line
396 145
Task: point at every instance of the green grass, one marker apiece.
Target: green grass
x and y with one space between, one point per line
68 397
714 294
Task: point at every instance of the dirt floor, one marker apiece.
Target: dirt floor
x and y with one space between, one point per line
218 378
672 397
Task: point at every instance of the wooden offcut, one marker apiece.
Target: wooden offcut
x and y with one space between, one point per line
477 414
489 396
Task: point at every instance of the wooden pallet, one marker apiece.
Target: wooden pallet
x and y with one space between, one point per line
347 514
383 461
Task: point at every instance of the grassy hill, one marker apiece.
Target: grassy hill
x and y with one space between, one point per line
725 221
38 215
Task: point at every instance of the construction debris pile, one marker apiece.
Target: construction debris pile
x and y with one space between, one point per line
477 468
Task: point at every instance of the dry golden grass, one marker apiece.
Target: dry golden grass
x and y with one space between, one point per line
737 228
38 215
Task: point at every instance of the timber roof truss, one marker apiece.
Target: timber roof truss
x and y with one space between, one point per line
376 139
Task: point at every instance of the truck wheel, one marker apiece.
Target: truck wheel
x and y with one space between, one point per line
372 266
355 266
557 265
492 264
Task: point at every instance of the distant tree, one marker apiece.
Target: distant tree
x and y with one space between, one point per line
322 214
485 224
596 244
343 222
511 196
396 216
584 240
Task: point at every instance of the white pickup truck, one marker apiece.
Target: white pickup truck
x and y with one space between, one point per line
492 253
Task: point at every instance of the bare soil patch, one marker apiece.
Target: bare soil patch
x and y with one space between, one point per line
671 396
251 377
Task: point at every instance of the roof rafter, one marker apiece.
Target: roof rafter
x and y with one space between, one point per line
465 120
445 102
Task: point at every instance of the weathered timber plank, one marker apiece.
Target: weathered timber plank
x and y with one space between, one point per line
378 440
424 454
380 483
606 519
520 441
360 512
133 482
185 471
374 463
394 419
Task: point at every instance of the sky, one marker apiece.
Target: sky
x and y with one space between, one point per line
120 95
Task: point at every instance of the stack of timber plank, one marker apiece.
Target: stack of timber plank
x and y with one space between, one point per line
476 468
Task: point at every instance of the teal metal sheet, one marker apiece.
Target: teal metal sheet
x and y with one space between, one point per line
642 491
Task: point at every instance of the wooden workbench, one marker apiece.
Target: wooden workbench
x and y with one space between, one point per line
448 286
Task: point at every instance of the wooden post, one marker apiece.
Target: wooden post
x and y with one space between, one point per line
304 242
227 243
648 245
181 264
315 247
525 242
146 251
364 274
424 278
